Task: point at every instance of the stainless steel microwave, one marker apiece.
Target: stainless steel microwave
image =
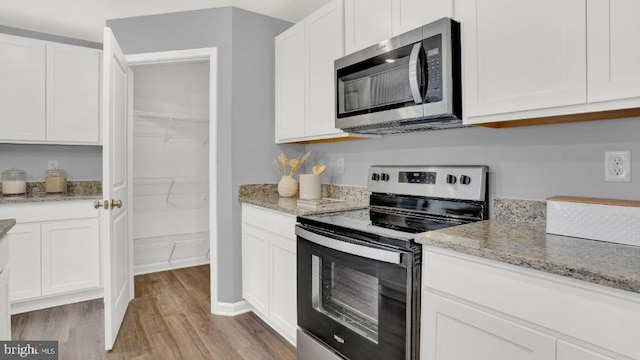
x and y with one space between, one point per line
410 82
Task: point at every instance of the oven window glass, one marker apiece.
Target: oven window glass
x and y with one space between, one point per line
347 296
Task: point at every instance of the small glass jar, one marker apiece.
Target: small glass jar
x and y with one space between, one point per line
14 182
55 181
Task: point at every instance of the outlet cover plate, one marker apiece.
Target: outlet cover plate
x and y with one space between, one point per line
617 166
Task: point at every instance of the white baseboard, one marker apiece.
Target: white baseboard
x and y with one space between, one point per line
233 309
56 300
164 266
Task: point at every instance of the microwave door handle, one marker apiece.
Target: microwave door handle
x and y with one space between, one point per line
414 74
351 248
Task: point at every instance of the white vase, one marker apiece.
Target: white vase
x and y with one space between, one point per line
288 186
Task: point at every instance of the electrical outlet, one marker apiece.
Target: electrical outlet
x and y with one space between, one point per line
340 166
53 164
617 166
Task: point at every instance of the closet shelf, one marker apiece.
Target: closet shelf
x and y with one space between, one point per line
167 126
158 116
172 182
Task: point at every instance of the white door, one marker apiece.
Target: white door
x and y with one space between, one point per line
410 14
117 246
290 83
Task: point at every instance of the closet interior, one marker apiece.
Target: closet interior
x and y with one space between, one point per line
170 166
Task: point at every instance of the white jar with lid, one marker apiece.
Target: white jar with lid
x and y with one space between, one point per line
14 182
55 181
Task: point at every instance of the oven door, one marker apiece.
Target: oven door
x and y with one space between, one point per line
355 297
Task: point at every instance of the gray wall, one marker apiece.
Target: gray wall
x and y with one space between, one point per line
48 37
527 163
245 105
80 162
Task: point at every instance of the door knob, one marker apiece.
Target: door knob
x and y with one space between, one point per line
98 204
116 203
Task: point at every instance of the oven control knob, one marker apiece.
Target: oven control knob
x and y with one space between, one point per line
384 177
465 180
375 177
451 179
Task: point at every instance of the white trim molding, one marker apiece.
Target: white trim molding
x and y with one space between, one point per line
233 309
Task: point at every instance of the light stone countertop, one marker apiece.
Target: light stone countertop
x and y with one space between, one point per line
266 195
6 225
77 190
528 245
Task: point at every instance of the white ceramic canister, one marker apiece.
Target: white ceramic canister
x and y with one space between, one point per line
310 188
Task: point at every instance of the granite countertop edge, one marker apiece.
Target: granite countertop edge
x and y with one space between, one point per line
446 239
6 225
46 198
293 209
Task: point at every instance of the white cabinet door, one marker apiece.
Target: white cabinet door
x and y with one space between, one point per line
367 22
324 44
453 331
70 256
410 14
290 83
73 93
5 314
24 261
522 55
22 88
613 30
282 278
568 351
255 268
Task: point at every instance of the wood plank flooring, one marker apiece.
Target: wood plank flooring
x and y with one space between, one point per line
168 319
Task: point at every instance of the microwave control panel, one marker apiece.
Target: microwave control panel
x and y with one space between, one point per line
433 50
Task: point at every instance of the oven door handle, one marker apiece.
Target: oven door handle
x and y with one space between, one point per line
350 248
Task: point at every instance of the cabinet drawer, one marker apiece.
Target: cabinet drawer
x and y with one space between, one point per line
604 317
50 211
270 220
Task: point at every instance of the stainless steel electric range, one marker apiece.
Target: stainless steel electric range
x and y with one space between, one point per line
359 271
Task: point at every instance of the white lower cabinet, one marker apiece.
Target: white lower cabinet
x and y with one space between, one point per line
67 247
5 313
479 309
455 331
24 261
568 351
54 254
269 267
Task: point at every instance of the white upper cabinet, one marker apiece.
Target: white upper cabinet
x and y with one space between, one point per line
73 93
290 83
410 14
305 55
50 92
22 88
613 30
548 60
522 55
324 32
368 22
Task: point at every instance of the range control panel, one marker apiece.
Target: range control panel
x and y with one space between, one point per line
443 181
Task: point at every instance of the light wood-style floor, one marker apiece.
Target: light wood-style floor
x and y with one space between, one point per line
168 319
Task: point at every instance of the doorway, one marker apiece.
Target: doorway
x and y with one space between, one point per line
174 161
